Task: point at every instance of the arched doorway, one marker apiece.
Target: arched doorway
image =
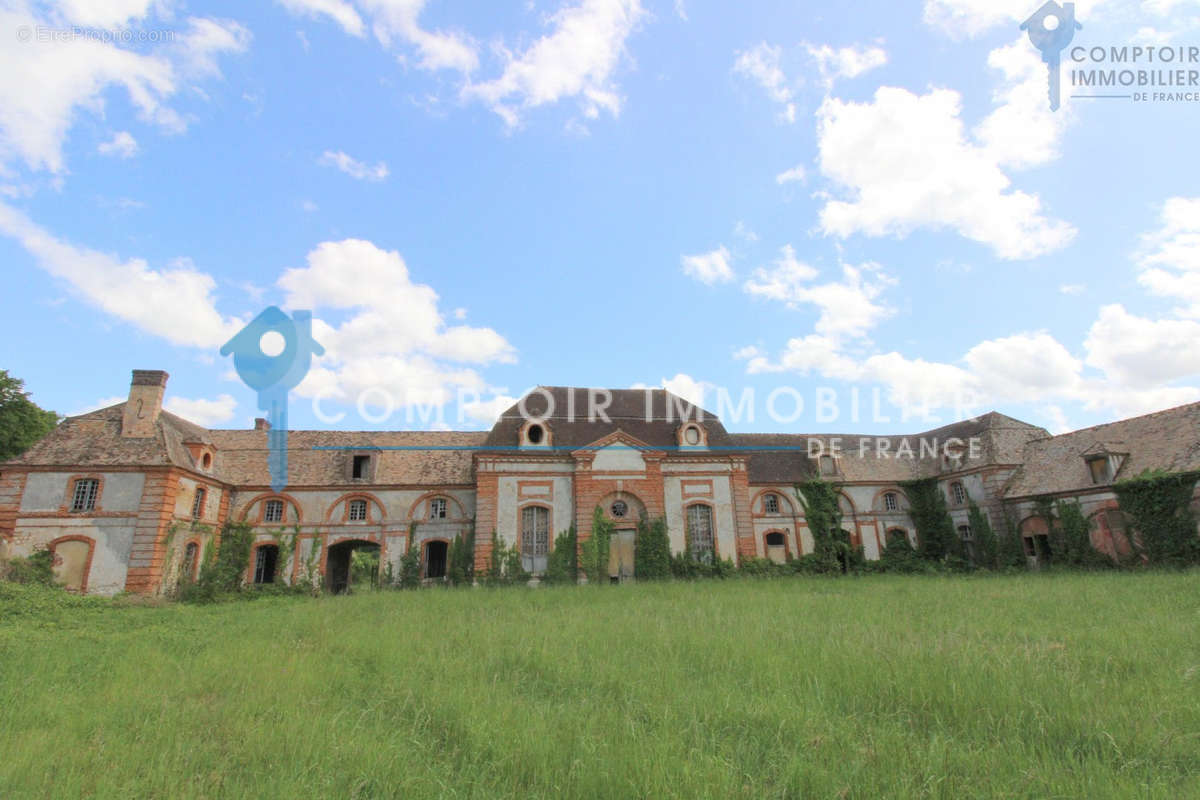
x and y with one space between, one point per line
72 562
353 563
436 556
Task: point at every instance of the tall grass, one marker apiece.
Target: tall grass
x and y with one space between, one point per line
1022 686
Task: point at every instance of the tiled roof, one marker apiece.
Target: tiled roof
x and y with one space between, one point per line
94 439
1167 440
651 416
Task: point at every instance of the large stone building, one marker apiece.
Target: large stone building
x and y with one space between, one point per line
132 497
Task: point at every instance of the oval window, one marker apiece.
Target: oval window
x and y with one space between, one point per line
619 508
692 435
535 434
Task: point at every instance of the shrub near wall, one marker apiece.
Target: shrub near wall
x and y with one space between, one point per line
1157 506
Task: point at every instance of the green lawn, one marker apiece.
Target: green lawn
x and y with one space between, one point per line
1022 686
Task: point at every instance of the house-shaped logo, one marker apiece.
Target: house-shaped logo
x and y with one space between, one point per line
1051 29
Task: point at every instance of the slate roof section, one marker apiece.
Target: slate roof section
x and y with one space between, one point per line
649 415
94 439
1167 440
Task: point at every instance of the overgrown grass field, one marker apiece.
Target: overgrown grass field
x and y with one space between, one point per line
1012 686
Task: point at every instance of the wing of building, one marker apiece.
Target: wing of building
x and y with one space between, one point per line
132 498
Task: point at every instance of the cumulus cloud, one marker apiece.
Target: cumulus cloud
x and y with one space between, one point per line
761 64
903 161
394 340
845 62
576 59
343 13
796 174
44 85
682 385
204 412
711 267
122 145
1170 256
353 167
130 289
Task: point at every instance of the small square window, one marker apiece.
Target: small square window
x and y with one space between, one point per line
358 510
437 508
771 504
273 511
198 503
84 498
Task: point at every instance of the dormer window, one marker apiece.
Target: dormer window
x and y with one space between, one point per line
692 435
1100 470
206 461
771 504
828 465
360 467
534 434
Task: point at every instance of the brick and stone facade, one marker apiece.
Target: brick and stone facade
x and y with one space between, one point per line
131 497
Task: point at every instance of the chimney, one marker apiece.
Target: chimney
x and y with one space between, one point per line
261 424
145 403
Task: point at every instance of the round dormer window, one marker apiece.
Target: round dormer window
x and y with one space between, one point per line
619 508
691 435
535 434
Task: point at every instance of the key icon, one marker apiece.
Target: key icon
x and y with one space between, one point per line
1051 29
273 376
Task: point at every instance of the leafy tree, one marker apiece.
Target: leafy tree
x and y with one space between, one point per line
22 422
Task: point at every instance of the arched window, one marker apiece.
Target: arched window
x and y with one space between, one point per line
700 533
357 511
535 538
891 502
266 559
771 504
776 547
191 558
958 493
535 434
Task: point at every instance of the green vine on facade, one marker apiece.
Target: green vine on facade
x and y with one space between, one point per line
936 539
1157 505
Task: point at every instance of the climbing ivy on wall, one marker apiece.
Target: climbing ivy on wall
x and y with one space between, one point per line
1157 507
987 549
563 564
652 550
461 569
223 573
819 499
594 551
936 539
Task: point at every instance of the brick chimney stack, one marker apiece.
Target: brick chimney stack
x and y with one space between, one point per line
260 424
145 403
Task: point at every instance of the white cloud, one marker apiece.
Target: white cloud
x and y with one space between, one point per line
395 339
340 12
845 62
398 19
45 84
711 267
1170 256
203 412
103 402
681 10
796 174
576 59
970 18
682 385
848 308
904 162
1022 131
761 64
1136 351
122 145
130 290
1072 288
486 412
353 167
744 232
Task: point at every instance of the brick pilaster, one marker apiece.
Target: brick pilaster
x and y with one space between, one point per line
743 524
150 532
12 486
487 492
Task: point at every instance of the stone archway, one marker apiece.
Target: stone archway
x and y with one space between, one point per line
350 563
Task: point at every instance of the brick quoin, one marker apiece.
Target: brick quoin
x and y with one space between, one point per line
12 486
487 493
155 515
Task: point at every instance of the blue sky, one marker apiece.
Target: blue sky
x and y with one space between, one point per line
477 198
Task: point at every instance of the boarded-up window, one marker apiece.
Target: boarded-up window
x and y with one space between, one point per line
71 564
535 538
84 497
273 511
358 510
777 547
700 533
1099 469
